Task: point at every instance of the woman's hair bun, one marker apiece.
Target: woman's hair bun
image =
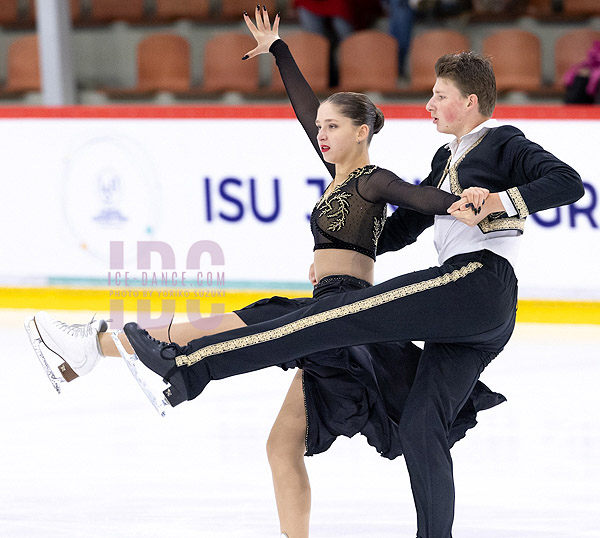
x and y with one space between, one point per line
379 121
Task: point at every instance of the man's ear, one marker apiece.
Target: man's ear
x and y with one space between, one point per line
473 101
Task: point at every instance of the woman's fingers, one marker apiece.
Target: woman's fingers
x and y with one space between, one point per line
475 196
260 24
251 54
250 24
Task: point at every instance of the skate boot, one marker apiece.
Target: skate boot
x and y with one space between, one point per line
160 358
65 351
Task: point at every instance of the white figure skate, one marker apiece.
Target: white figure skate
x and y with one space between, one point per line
64 351
139 372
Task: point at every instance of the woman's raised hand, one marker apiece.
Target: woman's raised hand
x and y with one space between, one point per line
262 32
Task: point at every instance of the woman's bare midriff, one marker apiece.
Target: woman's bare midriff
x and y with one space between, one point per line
334 261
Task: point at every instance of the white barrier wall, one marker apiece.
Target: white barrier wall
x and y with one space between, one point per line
161 180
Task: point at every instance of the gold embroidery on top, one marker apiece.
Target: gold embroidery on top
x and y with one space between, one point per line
518 202
339 214
324 205
365 170
378 223
329 315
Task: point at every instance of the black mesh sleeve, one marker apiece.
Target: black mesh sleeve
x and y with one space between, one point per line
303 99
385 186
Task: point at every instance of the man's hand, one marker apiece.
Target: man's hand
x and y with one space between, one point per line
472 198
471 214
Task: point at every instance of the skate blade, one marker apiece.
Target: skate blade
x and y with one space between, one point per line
138 370
39 347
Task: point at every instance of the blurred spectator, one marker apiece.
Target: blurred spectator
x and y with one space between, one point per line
582 81
432 9
330 18
336 20
401 14
498 7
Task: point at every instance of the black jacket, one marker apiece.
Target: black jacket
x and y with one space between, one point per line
502 160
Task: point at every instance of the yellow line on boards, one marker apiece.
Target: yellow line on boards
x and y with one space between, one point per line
221 300
132 300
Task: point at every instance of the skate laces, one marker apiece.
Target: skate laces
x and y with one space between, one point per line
169 329
172 347
78 330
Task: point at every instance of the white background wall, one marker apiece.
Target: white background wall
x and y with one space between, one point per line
72 185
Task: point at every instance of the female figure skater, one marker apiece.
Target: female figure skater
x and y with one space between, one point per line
361 389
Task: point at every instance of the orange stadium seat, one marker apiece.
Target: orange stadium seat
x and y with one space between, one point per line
103 11
224 69
163 64
570 49
425 50
311 52
368 61
169 10
9 12
23 69
516 57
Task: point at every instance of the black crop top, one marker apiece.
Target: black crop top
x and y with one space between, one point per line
339 219
351 217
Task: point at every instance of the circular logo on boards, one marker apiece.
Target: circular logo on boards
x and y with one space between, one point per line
110 194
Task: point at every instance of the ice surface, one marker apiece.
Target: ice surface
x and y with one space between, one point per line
98 461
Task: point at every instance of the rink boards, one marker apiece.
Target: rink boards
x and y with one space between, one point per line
182 207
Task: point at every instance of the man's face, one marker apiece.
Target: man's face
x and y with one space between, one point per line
449 108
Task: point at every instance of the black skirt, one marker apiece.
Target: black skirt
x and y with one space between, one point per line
360 389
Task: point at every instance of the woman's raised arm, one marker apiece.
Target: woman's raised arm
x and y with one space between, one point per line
303 99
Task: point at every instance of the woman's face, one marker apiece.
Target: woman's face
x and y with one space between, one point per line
337 135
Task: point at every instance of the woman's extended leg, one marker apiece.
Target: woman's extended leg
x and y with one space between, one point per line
285 450
180 333
82 346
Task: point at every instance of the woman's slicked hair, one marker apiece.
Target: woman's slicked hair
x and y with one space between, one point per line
360 109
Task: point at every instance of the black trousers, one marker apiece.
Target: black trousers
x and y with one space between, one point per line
465 312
